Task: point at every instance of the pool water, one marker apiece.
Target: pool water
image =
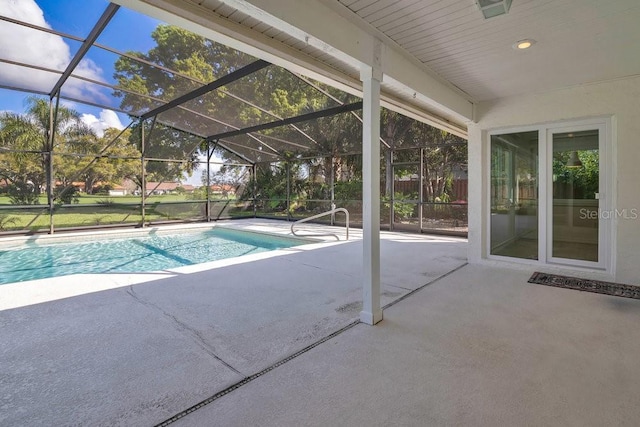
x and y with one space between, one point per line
134 254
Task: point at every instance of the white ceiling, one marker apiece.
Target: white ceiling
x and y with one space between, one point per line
395 96
578 41
228 12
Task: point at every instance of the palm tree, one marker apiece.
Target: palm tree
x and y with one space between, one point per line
25 139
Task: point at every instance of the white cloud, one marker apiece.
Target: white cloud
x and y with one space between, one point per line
69 104
108 119
33 47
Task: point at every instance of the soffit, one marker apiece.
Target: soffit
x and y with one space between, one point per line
395 96
578 41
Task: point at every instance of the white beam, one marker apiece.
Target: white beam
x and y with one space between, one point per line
371 311
206 23
324 27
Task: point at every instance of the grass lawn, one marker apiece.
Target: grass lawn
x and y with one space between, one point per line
104 210
87 199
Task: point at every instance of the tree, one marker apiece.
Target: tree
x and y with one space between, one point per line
98 160
164 143
176 49
394 130
257 98
26 138
576 182
260 97
226 178
191 55
444 153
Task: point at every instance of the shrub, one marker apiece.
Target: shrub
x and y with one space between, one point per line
105 202
102 189
401 210
66 195
348 190
23 193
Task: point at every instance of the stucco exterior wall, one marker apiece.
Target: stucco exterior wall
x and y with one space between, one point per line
620 100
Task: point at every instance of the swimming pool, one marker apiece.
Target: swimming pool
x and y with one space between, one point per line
151 252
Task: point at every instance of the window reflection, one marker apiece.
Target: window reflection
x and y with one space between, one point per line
514 195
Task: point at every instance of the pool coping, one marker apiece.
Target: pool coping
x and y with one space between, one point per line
15 242
31 292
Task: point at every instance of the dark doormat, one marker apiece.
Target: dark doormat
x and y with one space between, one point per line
588 285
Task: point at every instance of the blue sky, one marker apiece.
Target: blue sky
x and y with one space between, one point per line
128 30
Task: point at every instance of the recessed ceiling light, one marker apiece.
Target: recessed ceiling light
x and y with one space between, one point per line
524 44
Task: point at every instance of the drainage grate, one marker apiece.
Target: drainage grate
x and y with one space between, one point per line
588 285
254 376
248 379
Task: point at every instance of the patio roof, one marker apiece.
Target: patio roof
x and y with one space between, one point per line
225 110
439 57
435 53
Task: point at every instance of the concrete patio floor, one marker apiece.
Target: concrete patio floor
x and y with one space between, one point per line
137 349
480 347
477 346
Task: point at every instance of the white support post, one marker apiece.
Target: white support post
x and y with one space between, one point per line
371 77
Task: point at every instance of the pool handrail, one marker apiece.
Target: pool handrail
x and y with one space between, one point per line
320 215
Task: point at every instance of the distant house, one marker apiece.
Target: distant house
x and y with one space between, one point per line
187 188
79 185
130 187
118 190
224 190
160 188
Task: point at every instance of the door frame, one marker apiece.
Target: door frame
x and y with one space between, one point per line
607 197
604 195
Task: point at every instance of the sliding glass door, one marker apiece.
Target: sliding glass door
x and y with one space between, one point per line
514 195
574 196
547 195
